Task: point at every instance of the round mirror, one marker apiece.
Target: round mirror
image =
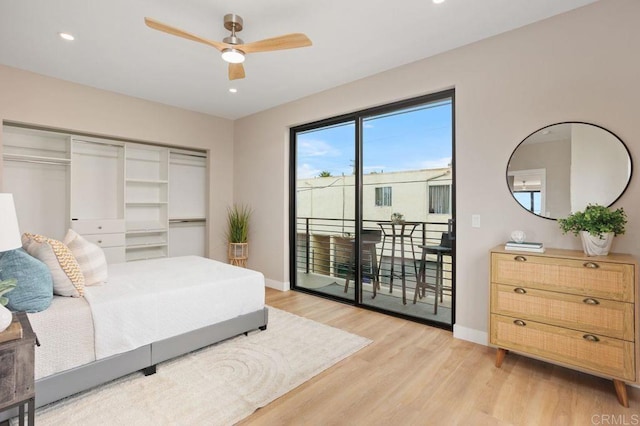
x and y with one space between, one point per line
563 167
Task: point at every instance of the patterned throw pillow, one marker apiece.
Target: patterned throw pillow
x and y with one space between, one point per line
65 271
90 257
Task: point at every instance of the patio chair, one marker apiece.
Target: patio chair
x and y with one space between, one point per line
369 237
421 282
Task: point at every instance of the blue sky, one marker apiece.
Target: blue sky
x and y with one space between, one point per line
412 139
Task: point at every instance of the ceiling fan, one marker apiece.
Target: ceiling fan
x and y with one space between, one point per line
233 49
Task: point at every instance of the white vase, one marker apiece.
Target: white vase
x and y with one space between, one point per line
5 318
598 245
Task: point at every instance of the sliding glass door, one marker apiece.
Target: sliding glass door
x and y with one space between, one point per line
325 208
373 206
406 207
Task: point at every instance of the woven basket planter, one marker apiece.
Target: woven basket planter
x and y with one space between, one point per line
238 254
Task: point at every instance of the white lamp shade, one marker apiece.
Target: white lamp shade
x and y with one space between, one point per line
9 230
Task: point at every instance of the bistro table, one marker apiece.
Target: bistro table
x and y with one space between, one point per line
398 233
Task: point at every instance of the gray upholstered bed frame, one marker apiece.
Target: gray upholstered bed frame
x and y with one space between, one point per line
145 358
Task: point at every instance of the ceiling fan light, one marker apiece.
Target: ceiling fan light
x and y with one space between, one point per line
233 56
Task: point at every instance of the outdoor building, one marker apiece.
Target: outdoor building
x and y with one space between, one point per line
419 195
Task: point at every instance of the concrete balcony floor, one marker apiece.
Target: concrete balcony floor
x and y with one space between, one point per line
385 299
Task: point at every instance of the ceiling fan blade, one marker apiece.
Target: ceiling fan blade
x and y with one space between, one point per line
152 23
288 41
236 71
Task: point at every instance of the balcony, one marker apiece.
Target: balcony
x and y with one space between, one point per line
324 262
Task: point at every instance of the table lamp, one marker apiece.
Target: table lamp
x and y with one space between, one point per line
9 230
9 240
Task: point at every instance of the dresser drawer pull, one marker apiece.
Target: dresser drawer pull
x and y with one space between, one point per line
519 323
590 338
591 265
520 259
590 301
99 227
520 290
99 241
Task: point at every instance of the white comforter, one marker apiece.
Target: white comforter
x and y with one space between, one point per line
65 333
151 300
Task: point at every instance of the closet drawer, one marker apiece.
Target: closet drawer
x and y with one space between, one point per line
106 240
99 226
592 352
588 314
587 277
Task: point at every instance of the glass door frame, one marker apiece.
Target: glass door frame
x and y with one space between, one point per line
358 117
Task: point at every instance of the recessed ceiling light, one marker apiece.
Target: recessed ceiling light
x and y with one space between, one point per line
66 36
233 90
438 1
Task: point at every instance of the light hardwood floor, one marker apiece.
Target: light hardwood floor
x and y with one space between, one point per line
413 374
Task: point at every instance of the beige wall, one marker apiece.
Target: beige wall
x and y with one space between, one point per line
580 66
34 99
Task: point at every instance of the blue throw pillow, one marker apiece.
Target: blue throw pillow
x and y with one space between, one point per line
34 289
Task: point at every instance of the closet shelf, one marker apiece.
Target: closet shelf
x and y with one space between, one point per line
147 181
146 203
146 231
145 246
145 227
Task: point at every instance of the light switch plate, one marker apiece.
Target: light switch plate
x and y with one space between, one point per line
475 221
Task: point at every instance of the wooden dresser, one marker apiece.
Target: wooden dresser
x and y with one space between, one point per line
569 309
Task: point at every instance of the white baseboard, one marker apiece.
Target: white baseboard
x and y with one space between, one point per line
278 285
470 334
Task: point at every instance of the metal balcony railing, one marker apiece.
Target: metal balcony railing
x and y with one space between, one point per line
325 247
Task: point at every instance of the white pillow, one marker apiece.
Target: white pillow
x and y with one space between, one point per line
65 271
90 257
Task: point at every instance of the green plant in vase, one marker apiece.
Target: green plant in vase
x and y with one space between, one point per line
596 225
5 314
238 234
5 287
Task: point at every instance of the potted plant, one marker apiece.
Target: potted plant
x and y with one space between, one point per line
596 225
397 218
5 314
238 234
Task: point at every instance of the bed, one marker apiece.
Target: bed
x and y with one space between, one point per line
148 311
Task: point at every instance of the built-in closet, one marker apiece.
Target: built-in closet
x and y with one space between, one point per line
137 201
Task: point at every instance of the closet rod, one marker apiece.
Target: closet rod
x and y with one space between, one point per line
203 155
186 220
24 160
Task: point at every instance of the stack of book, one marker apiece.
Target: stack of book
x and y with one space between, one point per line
524 246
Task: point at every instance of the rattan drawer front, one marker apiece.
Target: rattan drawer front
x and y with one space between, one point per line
600 279
607 356
588 314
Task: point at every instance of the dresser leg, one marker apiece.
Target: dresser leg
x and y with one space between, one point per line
621 392
500 356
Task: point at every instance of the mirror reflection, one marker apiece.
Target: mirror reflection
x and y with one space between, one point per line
561 168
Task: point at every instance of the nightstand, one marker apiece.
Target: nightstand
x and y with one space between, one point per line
17 367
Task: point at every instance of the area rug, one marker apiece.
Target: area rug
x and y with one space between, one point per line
217 385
